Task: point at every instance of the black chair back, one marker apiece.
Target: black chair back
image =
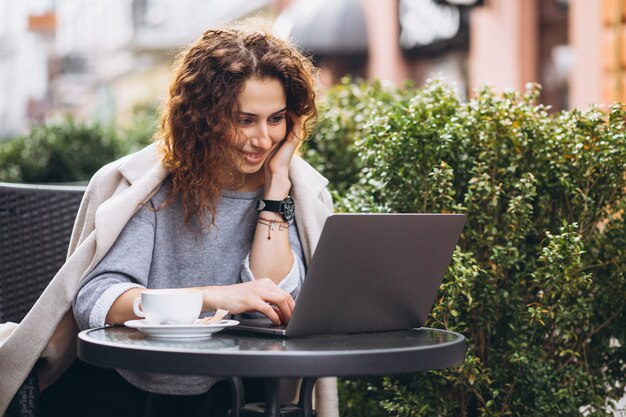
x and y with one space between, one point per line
35 226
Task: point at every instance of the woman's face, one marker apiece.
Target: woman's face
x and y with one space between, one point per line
262 123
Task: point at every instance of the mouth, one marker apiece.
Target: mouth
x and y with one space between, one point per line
253 158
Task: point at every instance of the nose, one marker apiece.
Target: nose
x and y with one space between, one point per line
261 138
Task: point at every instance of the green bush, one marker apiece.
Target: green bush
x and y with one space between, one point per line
68 151
343 113
141 130
538 281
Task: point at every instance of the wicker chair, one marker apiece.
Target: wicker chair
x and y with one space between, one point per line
35 226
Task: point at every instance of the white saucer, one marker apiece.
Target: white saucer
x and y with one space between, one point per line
179 330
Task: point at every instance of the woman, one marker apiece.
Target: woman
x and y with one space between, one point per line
208 206
230 129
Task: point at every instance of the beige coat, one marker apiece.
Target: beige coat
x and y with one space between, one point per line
115 193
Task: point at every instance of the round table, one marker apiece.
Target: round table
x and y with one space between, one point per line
234 355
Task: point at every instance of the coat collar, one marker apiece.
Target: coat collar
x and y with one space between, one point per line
136 165
307 188
304 176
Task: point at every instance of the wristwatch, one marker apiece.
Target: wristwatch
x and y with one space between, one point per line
286 208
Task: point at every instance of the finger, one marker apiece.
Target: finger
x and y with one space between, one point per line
279 299
291 304
281 156
271 314
280 315
292 140
296 127
284 313
282 303
287 147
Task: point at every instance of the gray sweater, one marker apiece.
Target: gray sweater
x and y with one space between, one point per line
157 250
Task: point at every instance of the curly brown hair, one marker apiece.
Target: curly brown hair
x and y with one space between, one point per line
199 117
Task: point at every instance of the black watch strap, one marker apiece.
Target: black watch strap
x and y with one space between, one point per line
268 205
285 207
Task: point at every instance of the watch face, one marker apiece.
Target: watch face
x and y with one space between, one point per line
288 209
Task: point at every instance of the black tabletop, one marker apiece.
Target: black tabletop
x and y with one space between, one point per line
237 354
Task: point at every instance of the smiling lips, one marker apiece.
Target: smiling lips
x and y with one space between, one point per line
253 158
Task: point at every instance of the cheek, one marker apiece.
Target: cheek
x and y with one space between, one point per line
279 132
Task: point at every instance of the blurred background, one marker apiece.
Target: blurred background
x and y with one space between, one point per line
108 60
107 63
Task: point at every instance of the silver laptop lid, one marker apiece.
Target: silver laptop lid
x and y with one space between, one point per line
373 272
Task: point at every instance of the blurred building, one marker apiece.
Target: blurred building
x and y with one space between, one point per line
122 50
26 43
575 48
96 59
109 60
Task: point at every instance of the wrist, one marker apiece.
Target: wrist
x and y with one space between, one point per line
277 187
210 298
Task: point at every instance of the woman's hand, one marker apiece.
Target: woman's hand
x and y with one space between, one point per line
277 165
261 295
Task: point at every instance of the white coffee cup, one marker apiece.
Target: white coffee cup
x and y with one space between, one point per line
169 306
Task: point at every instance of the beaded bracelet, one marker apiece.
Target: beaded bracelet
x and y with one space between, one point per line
271 225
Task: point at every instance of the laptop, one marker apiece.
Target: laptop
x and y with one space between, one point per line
370 272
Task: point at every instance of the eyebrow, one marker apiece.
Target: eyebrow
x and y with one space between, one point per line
252 114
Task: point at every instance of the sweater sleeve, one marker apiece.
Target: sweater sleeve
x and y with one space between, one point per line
125 266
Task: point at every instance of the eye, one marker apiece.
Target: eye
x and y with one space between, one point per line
245 121
277 118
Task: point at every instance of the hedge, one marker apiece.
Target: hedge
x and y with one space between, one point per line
537 283
67 151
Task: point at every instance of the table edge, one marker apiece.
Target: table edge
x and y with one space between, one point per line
276 363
